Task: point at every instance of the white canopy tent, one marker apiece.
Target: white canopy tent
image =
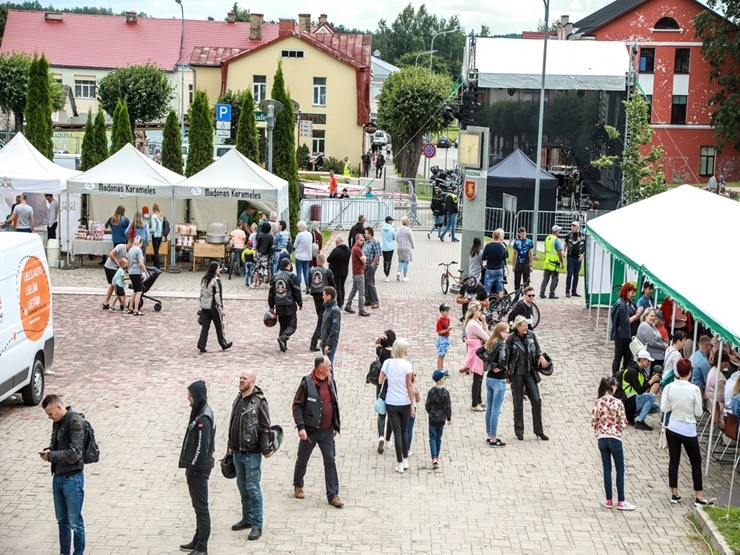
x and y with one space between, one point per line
571 64
681 254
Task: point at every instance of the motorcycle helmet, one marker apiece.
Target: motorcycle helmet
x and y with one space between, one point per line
276 438
227 467
547 370
269 319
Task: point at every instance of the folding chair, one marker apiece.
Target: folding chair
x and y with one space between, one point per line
731 431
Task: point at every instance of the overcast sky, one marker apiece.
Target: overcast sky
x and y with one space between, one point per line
502 16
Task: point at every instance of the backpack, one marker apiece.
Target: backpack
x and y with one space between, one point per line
91 451
289 247
373 373
165 227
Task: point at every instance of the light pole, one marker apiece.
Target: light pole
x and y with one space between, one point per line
182 70
271 108
538 154
430 52
431 47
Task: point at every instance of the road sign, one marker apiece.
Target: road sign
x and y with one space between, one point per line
429 150
223 125
223 112
223 133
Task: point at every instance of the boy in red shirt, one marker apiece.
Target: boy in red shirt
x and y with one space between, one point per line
443 334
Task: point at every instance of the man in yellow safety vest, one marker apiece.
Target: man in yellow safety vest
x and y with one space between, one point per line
553 262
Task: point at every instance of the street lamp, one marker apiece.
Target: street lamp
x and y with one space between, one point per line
182 70
272 108
431 47
535 217
430 52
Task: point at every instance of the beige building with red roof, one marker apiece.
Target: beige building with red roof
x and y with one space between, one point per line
326 72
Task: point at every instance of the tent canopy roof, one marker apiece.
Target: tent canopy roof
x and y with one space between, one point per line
571 64
688 273
234 176
518 166
127 172
28 170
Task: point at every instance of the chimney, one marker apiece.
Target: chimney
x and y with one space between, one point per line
564 28
131 17
54 16
322 19
304 22
255 26
285 27
231 17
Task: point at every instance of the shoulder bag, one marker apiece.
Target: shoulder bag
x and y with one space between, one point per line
380 401
636 346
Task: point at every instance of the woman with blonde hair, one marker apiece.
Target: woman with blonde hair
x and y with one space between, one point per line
649 335
405 248
302 245
140 229
495 364
157 221
475 336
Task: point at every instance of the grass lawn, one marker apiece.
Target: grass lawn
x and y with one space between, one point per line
728 527
539 262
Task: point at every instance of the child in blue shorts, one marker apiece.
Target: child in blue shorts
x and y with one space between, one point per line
443 334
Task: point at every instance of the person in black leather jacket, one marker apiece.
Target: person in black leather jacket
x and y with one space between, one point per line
523 354
68 484
196 457
495 366
284 300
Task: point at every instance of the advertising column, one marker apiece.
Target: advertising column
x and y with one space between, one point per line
473 158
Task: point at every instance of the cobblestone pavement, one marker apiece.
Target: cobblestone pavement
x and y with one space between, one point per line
129 376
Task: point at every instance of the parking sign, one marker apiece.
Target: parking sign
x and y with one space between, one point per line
223 112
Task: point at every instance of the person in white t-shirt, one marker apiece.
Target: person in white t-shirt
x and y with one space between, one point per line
238 240
400 402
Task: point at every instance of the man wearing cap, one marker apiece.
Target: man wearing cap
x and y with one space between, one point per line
438 210
372 251
388 234
553 262
575 247
637 391
249 441
439 407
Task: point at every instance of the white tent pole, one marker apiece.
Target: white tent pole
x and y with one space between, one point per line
601 284
714 406
611 296
673 318
696 333
69 231
590 280
171 238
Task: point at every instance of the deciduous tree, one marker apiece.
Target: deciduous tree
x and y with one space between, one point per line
146 90
171 144
247 137
284 163
38 129
200 138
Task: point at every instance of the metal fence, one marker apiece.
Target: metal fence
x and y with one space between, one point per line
546 219
343 213
419 187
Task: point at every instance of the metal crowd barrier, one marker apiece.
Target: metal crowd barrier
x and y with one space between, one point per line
546 219
343 213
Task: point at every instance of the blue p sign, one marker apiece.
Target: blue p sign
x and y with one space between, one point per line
223 112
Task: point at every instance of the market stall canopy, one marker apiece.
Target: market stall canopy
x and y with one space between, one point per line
684 251
127 172
515 175
571 64
236 177
25 170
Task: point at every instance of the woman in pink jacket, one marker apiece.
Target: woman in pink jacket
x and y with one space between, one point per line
475 336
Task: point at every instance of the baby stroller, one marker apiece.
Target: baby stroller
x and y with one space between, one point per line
147 284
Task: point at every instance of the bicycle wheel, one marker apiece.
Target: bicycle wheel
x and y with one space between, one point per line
535 315
445 282
231 264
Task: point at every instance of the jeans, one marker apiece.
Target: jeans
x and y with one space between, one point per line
325 440
521 275
475 391
318 302
451 224
612 448
198 488
435 438
371 292
691 444
301 269
399 418
332 352
211 314
495 392
248 475
410 429
387 261
571 280
622 354
248 271
69 494
494 281
358 287
403 267
439 222
518 384
275 257
645 404
547 274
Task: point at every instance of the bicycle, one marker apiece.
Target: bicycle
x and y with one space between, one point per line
502 305
447 276
232 263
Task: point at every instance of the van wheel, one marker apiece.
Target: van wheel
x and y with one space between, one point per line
34 391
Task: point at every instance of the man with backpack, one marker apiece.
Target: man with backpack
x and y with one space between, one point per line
318 278
67 466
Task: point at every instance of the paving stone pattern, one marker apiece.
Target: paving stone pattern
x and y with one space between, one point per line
129 376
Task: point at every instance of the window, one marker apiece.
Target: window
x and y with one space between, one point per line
678 110
191 93
667 24
259 88
706 160
649 99
84 88
647 60
319 91
292 53
683 57
58 78
318 142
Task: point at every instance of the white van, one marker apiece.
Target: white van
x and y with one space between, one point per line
26 323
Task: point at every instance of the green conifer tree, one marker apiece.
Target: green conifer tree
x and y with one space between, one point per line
247 137
284 163
88 153
122 132
101 138
200 138
171 144
38 126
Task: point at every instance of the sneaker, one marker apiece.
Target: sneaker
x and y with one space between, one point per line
429 236
624 506
640 425
398 276
456 240
703 502
387 279
405 278
607 503
435 463
542 296
400 468
409 454
497 443
48 372
477 408
405 464
676 499
381 445
112 308
553 296
483 404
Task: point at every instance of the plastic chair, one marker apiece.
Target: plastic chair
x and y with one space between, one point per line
731 431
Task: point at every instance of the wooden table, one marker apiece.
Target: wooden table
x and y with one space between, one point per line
164 251
208 250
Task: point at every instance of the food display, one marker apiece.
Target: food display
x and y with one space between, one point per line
94 231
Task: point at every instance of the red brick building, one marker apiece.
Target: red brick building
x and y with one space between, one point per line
675 77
